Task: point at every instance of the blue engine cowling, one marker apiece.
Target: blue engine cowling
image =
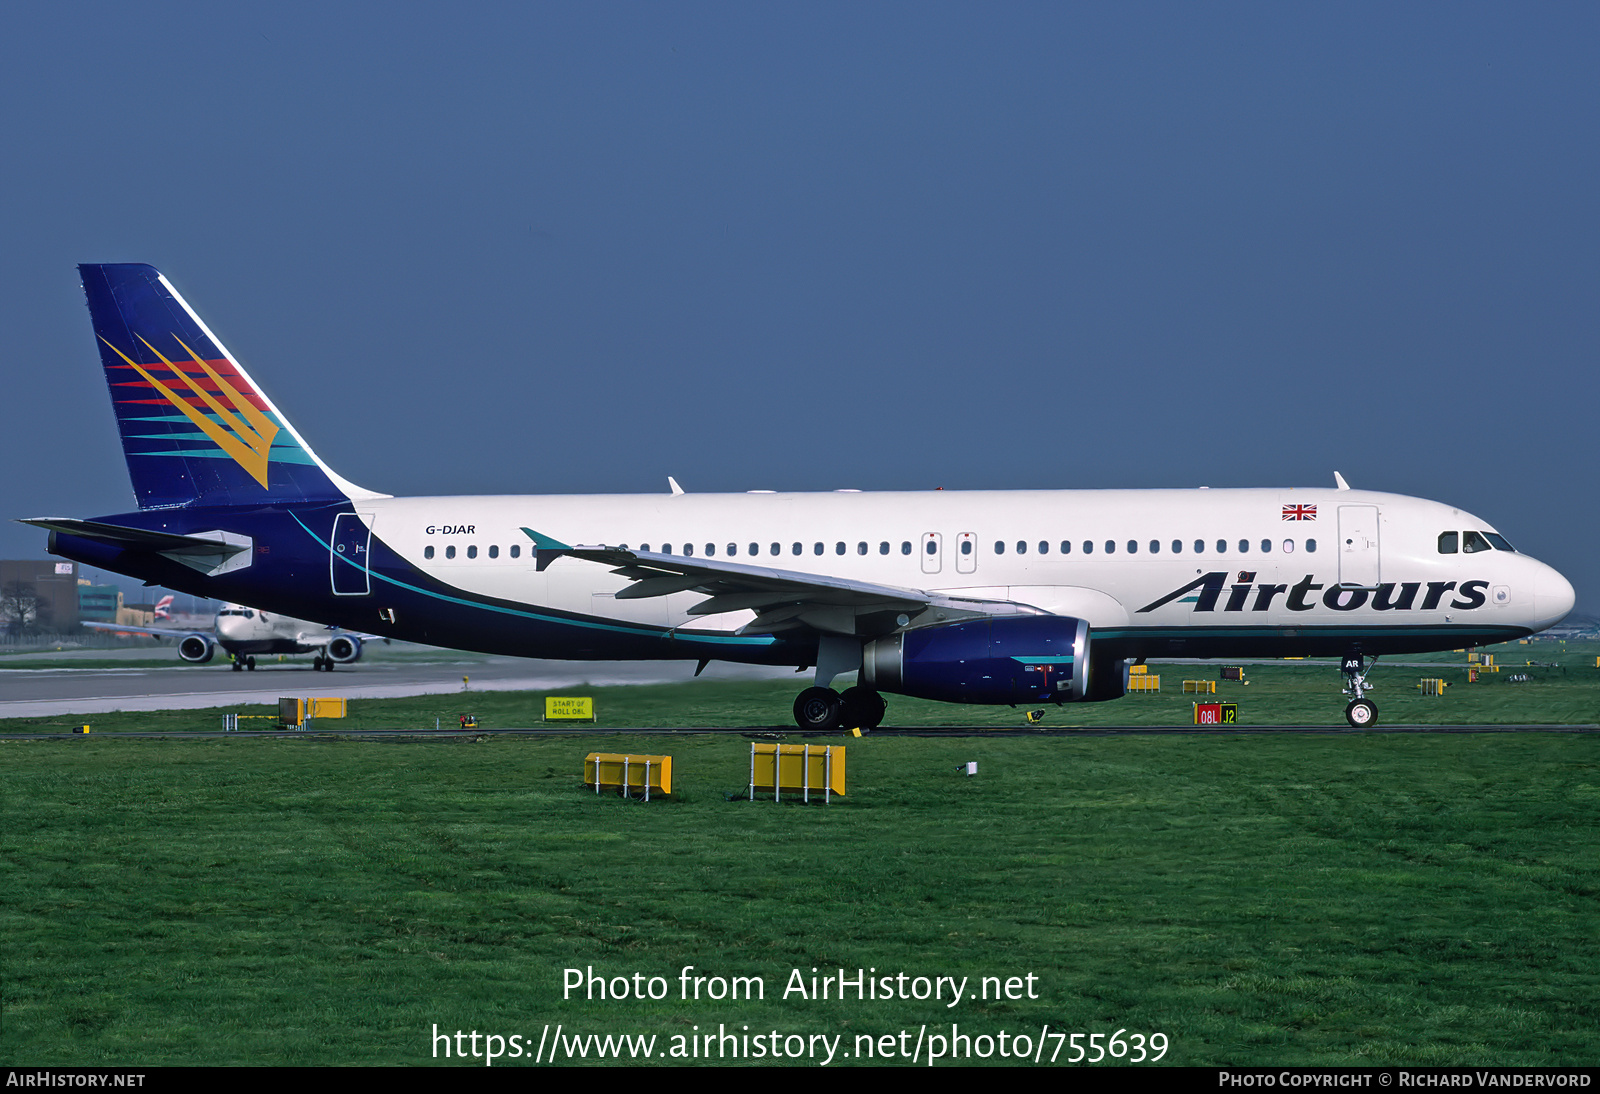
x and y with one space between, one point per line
1006 659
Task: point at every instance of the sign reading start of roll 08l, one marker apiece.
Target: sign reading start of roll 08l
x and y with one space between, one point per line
566 708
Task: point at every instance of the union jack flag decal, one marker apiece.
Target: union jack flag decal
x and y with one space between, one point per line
1299 512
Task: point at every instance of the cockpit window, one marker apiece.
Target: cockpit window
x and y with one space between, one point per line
1499 541
1447 542
1473 542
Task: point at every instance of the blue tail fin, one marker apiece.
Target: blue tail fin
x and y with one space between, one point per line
196 430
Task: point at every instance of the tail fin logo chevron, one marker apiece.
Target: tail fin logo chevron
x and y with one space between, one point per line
247 441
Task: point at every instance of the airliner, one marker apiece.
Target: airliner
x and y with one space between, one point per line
244 632
1020 597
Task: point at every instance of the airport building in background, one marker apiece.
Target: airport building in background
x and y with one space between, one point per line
39 595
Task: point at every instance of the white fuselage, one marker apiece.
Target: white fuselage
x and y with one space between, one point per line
1105 556
250 630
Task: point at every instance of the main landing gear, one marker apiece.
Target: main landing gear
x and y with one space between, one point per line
242 663
823 709
1361 712
322 664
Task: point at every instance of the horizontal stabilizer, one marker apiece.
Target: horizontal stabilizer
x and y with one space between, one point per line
212 553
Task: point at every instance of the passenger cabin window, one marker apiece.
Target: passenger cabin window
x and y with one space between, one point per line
816 548
1311 545
883 548
838 548
861 548
516 550
1155 546
427 552
999 547
1133 546
796 549
1222 546
1199 546
966 546
1244 546
472 551
688 550
905 546
1088 546
450 551
1288 546
777 549
1111 546
1266 546
1473 542
755 549
1066 546
1177 546
1044 547
1022 546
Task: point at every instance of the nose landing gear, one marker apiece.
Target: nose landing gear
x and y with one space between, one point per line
1361 712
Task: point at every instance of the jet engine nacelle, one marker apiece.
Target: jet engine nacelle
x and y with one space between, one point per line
344 649
1006 659
196 648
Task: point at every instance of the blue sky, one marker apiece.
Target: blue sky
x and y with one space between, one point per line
574 248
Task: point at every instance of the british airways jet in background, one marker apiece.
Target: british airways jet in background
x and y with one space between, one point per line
245 632
971 597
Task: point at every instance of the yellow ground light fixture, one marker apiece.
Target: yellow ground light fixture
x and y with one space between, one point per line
801 768
297 712
628 772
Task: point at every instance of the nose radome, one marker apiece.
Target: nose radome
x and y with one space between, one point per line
1553 598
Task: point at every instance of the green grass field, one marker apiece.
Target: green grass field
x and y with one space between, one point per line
1257 899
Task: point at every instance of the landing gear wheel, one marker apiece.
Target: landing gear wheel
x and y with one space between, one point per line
318 664
238 666
861 708
1361 713
250 663
817 709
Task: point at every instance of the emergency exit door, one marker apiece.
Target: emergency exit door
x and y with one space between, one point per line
1358 545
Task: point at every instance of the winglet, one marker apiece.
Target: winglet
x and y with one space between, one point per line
545 549
1338 480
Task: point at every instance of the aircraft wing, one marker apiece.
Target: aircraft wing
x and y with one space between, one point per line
155 632
781 599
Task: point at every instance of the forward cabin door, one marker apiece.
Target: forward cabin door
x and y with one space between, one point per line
347 555
1358 545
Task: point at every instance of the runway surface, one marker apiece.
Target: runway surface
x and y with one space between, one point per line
774 732
154 679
